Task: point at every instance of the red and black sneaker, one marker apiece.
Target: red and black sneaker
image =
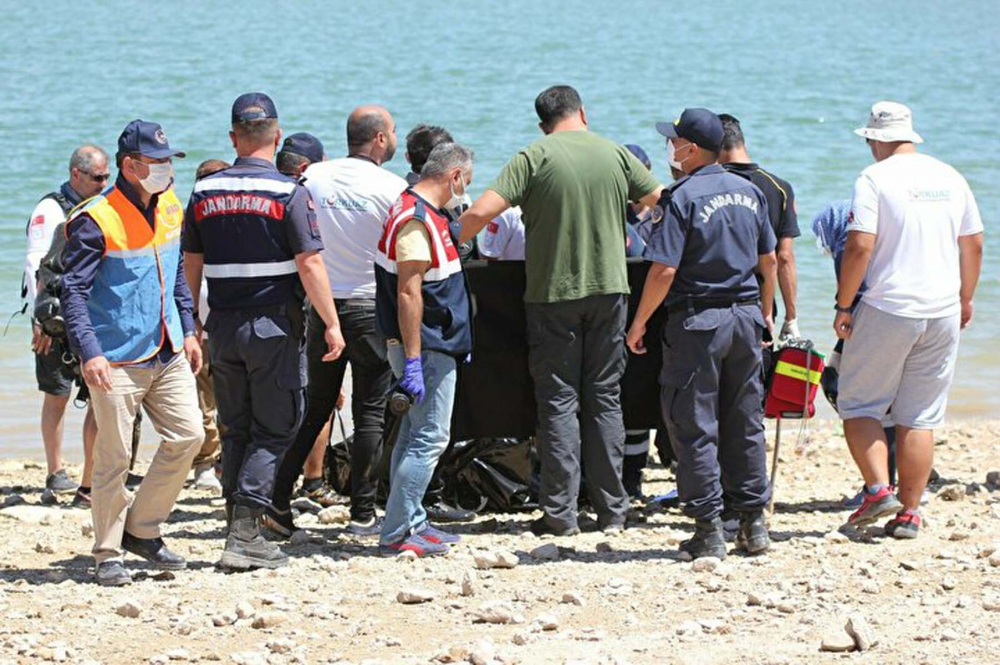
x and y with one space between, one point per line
875 506
904 525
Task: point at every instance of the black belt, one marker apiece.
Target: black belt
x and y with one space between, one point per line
694 305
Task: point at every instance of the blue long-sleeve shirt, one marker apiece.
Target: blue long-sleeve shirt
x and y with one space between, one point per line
83 255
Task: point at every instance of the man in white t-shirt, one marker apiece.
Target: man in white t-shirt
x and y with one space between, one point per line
55 369
916 239
352 196
503 238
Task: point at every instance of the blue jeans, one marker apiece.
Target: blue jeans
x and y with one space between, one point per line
423 437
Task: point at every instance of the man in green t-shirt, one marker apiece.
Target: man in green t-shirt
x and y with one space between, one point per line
573 187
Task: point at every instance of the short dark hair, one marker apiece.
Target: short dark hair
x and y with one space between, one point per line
210 166
421 140
555 103
363 129
289 162
732 133
259 131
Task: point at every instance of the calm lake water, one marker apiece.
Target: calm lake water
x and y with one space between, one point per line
799 75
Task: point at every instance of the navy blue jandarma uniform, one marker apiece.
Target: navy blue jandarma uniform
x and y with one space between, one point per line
714 228
250 222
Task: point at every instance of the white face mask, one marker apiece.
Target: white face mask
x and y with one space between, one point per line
159 179
671 160
458 200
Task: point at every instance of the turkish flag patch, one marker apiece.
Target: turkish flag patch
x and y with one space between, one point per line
492 227
38 220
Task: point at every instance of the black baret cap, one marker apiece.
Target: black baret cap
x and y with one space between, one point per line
304 144
147 139
699 126
253 106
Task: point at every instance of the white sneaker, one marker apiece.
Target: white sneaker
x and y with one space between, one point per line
205 479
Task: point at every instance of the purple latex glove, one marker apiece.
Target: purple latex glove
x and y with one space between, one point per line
413 379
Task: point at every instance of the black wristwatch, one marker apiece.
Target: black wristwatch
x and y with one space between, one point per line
842 310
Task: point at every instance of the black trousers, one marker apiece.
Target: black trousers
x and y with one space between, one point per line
371 376
577 359
259 371
712 401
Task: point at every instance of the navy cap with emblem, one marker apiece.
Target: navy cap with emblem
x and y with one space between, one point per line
253 106
304 144
640 154
146 139
699 126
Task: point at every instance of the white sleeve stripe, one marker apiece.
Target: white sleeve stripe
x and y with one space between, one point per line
238 184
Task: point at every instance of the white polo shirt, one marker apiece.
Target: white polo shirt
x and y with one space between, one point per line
503 238
918 207
352 198
46 216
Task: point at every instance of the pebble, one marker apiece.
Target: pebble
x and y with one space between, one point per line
859 628
224 619
993 480
948 583
837 641
469 583
495 559
603 547
130 608
249 658
496 611
334 515
44 548
950 635
413 596
995 559
245 610
688 628
573 598
545 622
546 552
483 653
87 530
280 646
299 537
454 654
268 620
178 654
705 564
952 493
32 514
836 537
870 586
159 659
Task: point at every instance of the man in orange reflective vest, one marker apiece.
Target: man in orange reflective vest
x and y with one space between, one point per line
128 312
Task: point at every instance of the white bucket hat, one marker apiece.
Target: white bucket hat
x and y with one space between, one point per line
890 122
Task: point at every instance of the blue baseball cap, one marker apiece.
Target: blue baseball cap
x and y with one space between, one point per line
699 126
253 106
147 139
304 144
640 154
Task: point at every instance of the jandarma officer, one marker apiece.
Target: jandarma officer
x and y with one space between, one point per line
714 235
254 232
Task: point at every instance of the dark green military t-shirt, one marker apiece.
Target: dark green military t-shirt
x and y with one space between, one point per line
573 188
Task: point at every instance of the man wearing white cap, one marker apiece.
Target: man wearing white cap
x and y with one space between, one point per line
915 237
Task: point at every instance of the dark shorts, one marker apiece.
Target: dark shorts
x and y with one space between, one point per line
55 376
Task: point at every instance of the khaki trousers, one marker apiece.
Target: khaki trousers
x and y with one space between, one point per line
209 453
167 393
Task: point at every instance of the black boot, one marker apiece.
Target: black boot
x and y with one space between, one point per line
753 536
245 547
708 540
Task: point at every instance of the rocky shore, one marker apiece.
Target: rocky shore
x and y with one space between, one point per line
823 594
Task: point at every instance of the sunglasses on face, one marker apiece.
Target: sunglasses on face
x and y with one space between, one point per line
98 177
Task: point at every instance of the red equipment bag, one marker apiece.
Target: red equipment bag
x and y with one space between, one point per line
795 382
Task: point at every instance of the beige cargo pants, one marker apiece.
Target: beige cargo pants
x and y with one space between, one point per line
168 395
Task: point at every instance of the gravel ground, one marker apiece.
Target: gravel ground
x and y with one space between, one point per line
506 596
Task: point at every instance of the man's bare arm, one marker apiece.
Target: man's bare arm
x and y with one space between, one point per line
787 279
482 212
411 304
